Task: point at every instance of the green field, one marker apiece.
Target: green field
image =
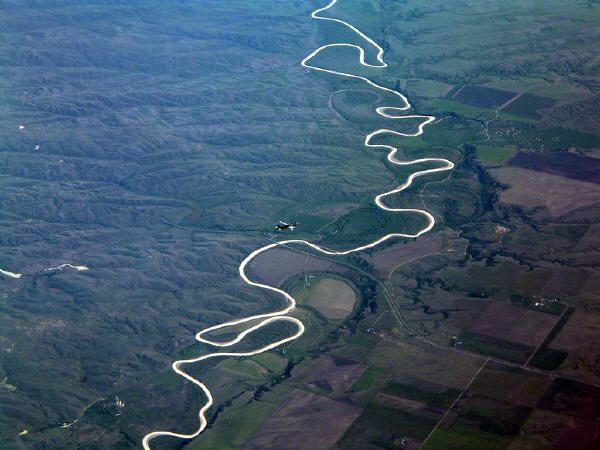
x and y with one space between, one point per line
367 379
463 438
445 105
498 155
439 399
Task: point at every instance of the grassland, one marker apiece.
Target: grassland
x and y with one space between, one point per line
367 379
558 195
497 155
332 297
450 106
529 105
467 438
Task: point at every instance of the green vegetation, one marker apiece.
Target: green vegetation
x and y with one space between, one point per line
388 422
367 379
258 367
492 346
462 437
439 399
498 155
528 105
445 105
245 418
482 96
362 339
365 224
461 108
330 296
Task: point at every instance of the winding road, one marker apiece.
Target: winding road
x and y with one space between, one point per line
389 112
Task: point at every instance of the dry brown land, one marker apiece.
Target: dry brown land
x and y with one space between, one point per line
277 265
532 328
591 239
516 324
531 189
497 319
338 375
540 430
511 385
404 404
333 298
305 420
579 337
386 260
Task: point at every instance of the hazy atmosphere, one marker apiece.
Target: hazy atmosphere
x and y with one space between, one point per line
332 224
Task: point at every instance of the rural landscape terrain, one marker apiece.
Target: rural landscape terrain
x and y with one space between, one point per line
148 147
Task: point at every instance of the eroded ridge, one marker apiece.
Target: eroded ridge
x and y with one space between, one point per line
390 112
